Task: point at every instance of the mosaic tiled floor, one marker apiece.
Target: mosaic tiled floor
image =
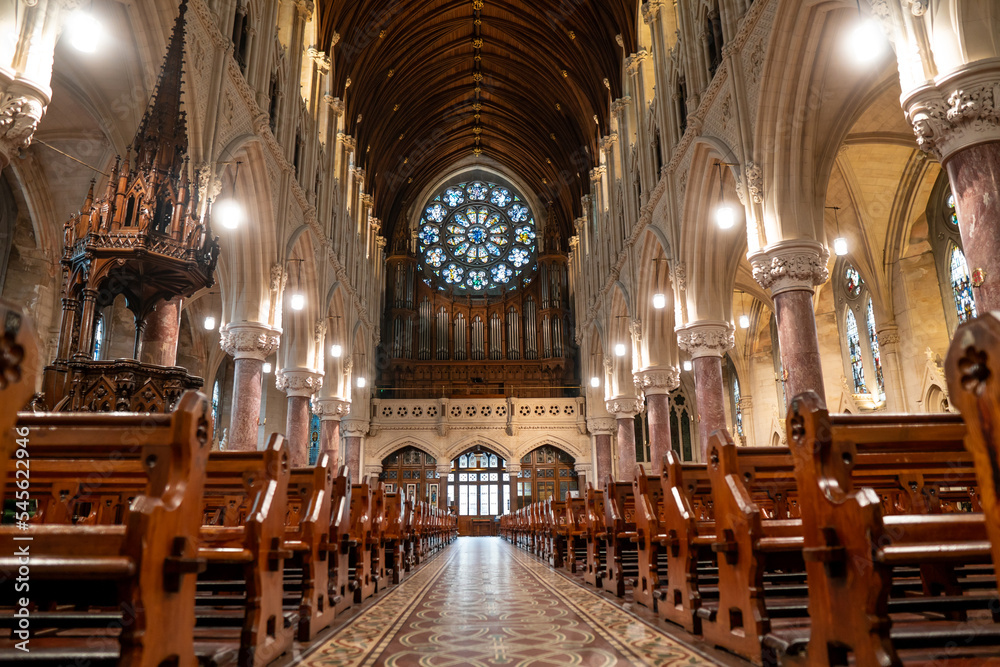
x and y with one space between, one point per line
485 603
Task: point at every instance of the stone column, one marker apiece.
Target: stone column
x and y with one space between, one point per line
330 412
160 333
657 383
892 372
299 384
624 411
514 470
602 428
957 119
582 472
443 469
354 429
706 341
746 409
249 343
790 269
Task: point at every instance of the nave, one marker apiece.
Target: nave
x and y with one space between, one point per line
484 602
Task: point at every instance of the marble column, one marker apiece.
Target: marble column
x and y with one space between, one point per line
249 343
790 269
299 384
443 470
956 119
602 428
354 430
624 410
160 334
582 472
656 384
330 411
706 341
514 470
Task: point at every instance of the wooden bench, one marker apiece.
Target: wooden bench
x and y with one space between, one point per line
622 555
576 529
597 535
364 542
648 496
137 576
19 370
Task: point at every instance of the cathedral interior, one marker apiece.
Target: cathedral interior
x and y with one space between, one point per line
489 254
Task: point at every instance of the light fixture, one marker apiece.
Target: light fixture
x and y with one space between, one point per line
298 301
620 350
361 383
267 367
687 365
595 382
85 32
228 213
840 247
209 323
866 41
659 301
725 216
336 351
744 322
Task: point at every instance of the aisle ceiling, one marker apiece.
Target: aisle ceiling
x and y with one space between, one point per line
433 81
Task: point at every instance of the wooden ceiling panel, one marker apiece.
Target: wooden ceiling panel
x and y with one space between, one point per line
432 81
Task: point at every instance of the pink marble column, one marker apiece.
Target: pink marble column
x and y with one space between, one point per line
249 343
248 376
711 398
626 448
329 440
706 341
352 444
161 333
657 383
798 343
601 429
791 269
974 174
514 470
299 384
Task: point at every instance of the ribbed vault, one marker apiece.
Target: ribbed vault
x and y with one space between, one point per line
435 81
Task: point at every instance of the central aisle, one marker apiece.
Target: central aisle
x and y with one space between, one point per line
483 602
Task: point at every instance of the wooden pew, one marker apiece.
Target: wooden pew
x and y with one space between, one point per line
19 371
576 529
339 547
307 536
851 550
364 542
138 575
597 538
395 527
622 556
558 532
647 493
244 581
971 369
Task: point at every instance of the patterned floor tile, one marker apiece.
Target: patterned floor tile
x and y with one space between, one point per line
486 603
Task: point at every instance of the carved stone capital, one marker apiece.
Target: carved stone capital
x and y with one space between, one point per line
791 265
662 380
755 182
601 425
298 381
21 109
354 428
958 110
249 340
618 106
888 337
624 407
651 10
330 409
706 338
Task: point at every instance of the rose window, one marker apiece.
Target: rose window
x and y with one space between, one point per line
477 238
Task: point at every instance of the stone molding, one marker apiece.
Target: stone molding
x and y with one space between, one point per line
958 110
661 380
624 407
787 266
249 340
354 428
706 338
601 425
331 409
888 337
298 381
21 109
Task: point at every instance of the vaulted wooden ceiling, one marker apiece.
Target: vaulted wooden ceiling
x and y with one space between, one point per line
433 81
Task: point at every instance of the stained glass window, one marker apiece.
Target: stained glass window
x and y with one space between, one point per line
477 238
876 356
216 406
951 212
99 339
961 286
852 281
736 402
854 348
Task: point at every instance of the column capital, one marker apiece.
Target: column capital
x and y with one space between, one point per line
600 426
373 471
21 109
957 110
660 380
513 468
585 468
624 407
651 10
249 340
706 338
796 265
888 336
330 409
354 428
444 469
298 381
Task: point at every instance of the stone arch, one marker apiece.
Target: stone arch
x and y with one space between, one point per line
454 449
571 448
405 441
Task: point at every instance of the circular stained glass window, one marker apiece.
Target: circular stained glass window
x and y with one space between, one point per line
477 238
